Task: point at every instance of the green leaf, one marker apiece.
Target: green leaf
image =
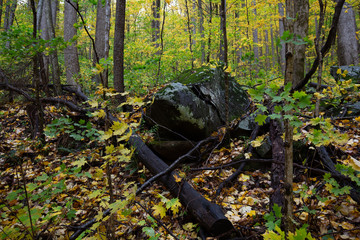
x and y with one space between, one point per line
149 231
260 119
43 177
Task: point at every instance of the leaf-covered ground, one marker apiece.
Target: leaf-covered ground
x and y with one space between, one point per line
67 184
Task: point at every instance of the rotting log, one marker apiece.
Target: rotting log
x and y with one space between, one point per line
209 215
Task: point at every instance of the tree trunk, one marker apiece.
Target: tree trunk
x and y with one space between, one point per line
201 30
9 14
189 32
119 38
256 41
347 47
273 56
155 24
281 32
209 36
46 22
301 26
223 39
71 57
1 10
101 36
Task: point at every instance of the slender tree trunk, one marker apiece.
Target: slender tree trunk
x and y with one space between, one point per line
9 14
70 53
161 43
37 78
267 50
201 30
223 40
54 61
155 24
281 32
256 41
209 37
319 54
272 46
119 40
1 10
189 32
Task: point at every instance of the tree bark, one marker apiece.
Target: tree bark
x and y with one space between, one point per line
155 24
325 49
255 40
102 37
281 32
119 41
9 14
71 57
347 44
201 30
223 39
301 26
46 22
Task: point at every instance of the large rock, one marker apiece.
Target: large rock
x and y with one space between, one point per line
194 105
353 72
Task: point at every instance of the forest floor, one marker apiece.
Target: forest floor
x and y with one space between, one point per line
60 195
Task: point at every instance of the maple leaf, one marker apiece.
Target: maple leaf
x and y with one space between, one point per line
174 204
93 103
100 114
119 128
355 164
177 178
106 135
189 226
159 210
79 163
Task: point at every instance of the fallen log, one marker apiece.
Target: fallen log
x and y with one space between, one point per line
209 215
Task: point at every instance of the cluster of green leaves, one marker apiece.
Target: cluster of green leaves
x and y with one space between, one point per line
284 103
79 131
323 133
42 191
274 232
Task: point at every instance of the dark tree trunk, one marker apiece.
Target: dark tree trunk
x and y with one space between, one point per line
119 39
223 40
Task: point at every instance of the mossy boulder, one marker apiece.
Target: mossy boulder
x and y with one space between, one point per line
194 106
347 72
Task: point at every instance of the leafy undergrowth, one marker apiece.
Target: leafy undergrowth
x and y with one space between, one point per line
67 184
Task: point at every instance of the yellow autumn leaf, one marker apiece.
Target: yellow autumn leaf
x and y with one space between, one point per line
93 103
338 71
100 114
106 135
119 128
189 226
79 163
159 210
168 1
355 164
177 178
258 141
251 213
357 119
109 149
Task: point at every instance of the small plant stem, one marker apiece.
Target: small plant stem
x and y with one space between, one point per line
27 202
